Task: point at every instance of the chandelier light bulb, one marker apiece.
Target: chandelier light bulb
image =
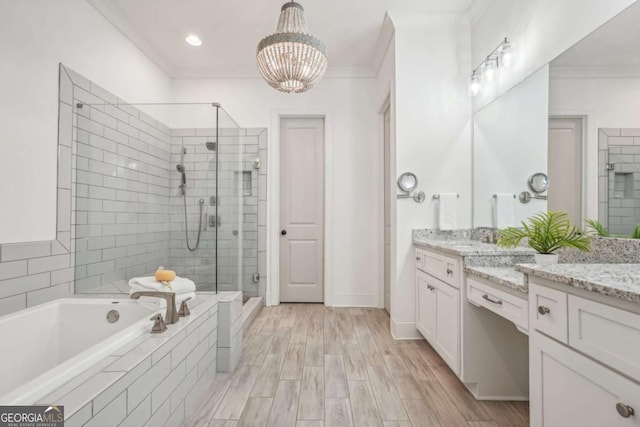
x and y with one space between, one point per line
291 60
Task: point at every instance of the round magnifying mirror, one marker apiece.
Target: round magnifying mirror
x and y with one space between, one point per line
408 182
539 182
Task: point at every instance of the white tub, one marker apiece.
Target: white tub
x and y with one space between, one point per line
45 346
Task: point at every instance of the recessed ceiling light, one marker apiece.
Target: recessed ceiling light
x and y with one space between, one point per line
193 40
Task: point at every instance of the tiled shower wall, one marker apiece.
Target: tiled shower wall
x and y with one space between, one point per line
619 188
201 179
121 192
124 181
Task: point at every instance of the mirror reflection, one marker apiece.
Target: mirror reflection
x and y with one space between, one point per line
594 126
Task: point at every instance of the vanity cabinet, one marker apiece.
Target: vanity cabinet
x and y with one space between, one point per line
438 304
585 361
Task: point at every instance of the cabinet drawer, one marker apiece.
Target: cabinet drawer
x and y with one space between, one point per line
608 334
569 389
442 266
548 311
502 303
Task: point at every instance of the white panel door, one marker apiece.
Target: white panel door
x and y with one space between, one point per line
387 210
301 209
565 167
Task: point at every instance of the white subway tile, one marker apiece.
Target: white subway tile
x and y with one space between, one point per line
141 388
47 294
112 414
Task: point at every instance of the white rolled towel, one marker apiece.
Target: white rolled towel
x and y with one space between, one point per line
179 285
159 303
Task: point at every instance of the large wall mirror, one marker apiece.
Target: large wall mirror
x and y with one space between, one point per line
509 146
576 120
594 107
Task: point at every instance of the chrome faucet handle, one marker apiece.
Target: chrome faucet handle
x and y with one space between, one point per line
184 308
159 326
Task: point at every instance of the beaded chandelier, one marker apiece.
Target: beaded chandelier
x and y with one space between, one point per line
291 60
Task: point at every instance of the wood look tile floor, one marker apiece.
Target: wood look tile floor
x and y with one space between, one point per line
307 365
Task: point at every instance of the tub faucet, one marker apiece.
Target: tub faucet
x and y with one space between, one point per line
172 315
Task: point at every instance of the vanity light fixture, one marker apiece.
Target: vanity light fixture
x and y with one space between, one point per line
505 54
475 84
500 57
193 40
489 69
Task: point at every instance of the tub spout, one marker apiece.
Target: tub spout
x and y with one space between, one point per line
172 315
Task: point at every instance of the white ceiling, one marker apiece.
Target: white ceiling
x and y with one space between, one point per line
612 49
231 29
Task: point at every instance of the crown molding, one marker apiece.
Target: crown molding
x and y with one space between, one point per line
387 33
251 72
594 72
477 9
122 24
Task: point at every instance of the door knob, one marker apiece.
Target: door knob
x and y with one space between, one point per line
283 232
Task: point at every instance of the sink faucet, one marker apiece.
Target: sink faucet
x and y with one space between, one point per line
492 236
172 315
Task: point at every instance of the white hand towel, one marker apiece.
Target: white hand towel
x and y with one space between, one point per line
159 303
179 285
504 211
448 211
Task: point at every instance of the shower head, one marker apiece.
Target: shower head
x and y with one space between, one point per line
211 146
180 168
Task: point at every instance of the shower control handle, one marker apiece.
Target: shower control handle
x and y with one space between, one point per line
283 232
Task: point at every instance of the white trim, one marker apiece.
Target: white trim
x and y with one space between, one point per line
273 202
355 300
405 331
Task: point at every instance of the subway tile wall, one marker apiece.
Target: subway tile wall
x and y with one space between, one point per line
121 197
120 213
619 188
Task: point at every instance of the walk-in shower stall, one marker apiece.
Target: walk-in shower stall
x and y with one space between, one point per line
172 185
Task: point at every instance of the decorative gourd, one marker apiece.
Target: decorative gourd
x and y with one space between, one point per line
165 275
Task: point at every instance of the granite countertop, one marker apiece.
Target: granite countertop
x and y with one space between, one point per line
621 281
469 247
506 276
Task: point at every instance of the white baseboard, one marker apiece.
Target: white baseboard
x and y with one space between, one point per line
355 300
405 331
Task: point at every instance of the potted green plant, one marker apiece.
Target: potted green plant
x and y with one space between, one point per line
546 233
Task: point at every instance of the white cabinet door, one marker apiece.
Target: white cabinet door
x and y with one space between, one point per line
448 323
426 306
568 389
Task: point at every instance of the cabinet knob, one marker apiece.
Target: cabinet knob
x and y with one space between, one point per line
625 411
431 288
418 258
449 272
543 310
